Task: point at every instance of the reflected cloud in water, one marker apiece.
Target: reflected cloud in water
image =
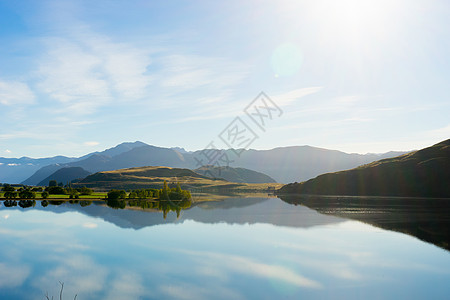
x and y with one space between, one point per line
266 249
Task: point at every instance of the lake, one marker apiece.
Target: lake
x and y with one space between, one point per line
237 248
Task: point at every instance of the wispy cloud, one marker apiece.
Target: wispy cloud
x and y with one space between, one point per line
91 72
180 290
126 285
90 225
440 133
85 275
13 275
248 266
291 96
192 71
15 93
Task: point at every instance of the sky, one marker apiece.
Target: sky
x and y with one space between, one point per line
350 75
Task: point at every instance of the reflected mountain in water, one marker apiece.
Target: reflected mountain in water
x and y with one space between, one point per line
427 219
235 210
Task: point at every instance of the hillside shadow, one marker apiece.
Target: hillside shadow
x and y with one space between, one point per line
427 219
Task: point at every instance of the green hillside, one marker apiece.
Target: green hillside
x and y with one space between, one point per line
151 177
235 174
423 173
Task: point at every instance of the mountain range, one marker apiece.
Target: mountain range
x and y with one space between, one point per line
284 164
423 173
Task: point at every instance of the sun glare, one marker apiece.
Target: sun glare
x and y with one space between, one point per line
356 20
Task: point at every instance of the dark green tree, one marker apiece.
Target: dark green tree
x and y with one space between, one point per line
27 194
84 203
8 188
52 183
10 203
56 190
85 191
10 195
116 203
117 194
164 194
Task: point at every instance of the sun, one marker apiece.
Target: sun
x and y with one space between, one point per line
356 20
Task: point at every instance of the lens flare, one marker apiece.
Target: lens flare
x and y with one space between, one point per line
286 60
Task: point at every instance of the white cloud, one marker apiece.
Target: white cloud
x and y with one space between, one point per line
180 290
84 275
90 225
192 71
72 74
248 266
91 143
291 96
245 265
13 275
86 71
15 93
124 66
126 285
7 151
442 133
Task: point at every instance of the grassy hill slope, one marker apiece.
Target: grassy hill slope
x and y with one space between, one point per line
423 173
235 174
151 177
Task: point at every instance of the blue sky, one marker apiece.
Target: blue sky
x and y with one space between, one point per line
356 76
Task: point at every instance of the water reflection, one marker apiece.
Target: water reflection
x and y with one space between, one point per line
164 206
425 218
139 214
244 248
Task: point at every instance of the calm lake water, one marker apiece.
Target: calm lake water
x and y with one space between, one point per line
239 248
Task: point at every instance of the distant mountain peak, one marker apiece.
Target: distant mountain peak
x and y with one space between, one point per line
179 149
121 148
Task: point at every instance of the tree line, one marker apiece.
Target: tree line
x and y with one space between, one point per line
165 193
26 192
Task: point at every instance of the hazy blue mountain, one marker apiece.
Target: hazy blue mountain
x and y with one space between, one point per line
235 174
179 149
423 173
297 163
92 162
151 156
284 164
15 170
119 149
41 174
65 175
